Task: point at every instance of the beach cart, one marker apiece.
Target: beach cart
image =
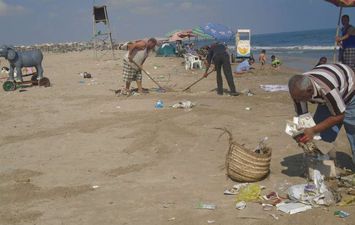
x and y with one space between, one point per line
243 43
13 85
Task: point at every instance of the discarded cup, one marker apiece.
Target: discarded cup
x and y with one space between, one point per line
241 205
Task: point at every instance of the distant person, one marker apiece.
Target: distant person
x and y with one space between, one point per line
322 60
220 57
244 66
190 49
179 48
275 62
347 42
262 58
331 86
138 53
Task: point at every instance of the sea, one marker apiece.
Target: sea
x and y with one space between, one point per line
299 50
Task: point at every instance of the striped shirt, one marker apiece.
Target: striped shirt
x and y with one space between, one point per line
333 85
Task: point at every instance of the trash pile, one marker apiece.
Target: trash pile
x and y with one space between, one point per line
320 189
296 198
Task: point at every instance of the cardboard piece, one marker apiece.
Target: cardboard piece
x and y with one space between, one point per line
292 208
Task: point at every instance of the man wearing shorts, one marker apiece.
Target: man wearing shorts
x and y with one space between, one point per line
137 54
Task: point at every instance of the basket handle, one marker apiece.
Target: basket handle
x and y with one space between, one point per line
230 140
225 130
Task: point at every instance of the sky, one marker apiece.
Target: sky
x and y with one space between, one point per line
25 22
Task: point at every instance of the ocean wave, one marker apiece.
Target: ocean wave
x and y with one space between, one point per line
295 47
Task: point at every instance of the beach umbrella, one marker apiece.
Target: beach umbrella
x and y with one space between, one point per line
217 31
200 34
171 33
340 4
181 35
343 3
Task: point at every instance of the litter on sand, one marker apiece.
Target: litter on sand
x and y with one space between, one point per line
85 75
312 194
247 92
184 105
249 193
241 205
171 219
341 214
206 206
293 207
235 189
274 87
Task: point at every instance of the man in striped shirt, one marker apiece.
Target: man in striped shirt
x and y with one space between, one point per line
331 86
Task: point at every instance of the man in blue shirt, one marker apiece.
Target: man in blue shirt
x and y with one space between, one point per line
244 66
347 40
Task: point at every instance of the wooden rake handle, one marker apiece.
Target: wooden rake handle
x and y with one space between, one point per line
197 81
148 74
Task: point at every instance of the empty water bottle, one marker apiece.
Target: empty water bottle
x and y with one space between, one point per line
206 206
159 104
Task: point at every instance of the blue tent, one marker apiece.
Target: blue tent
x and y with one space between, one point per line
166 50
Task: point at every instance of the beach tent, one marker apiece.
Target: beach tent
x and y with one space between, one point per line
218 31
166 50
340 4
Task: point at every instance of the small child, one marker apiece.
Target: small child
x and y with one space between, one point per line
262 57
275 62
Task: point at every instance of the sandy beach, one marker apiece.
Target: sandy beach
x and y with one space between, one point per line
75 153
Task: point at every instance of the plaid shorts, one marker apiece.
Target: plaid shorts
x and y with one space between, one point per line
349 57
130 74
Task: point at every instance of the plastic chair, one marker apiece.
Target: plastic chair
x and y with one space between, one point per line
187 62
193 59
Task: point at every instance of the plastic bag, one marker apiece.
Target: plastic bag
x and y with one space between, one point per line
249 193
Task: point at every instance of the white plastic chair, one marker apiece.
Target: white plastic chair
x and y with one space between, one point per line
187 62
193 59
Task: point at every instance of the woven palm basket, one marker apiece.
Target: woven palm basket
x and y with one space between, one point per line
244 165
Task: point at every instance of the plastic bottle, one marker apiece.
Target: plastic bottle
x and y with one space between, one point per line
206 206
159 104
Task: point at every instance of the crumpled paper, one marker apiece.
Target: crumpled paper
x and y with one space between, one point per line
184 105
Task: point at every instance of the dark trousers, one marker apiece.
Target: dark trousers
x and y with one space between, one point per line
222 60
